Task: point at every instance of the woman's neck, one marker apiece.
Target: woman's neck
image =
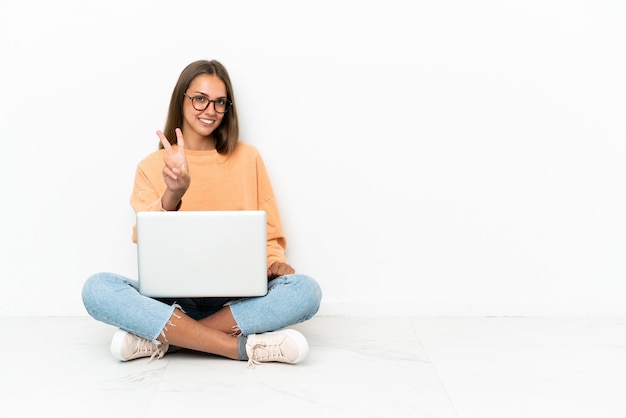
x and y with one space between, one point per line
199 143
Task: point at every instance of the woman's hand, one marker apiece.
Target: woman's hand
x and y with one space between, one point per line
278 269
175 171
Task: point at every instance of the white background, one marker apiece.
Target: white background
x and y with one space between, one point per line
429 158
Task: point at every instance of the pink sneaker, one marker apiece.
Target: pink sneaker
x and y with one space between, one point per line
284 346
126 346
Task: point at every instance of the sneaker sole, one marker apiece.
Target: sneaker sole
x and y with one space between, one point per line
300 341
116 343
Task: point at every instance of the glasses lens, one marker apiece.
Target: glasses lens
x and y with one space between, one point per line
221 105
200 102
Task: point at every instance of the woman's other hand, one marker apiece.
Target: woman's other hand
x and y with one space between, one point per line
278 269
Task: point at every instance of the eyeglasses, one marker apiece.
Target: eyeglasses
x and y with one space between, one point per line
200 103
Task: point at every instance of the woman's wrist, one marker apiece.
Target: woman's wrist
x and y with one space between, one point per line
170 202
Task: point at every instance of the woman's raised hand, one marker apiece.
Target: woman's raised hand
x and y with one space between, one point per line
175 171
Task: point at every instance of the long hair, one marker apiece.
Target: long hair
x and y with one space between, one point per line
227 133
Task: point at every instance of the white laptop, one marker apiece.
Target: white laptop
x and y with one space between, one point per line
202 253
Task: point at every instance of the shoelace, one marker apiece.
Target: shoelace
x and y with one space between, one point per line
160 352
262 352
147 346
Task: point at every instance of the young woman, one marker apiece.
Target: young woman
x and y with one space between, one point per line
202 165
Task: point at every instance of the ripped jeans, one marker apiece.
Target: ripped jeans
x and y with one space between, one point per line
115 300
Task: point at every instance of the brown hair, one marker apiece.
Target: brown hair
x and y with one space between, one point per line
227 134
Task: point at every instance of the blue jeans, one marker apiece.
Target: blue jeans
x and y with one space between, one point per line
115 300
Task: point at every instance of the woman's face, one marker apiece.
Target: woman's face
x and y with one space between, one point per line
203 88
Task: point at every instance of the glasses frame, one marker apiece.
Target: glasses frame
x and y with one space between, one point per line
209 101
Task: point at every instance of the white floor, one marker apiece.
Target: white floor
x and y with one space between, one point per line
357 367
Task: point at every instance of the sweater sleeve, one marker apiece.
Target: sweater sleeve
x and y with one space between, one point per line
147 190
276 241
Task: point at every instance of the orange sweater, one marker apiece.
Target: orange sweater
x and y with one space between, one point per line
235 182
